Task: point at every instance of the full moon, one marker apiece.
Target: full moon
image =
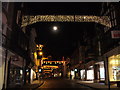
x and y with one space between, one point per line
55 28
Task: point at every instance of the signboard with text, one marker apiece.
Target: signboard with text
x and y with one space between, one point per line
115 34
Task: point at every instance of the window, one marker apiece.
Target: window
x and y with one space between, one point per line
114 67
18 17
115 22
114 13
113 16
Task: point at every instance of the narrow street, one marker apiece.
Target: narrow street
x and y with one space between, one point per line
52 45
62 83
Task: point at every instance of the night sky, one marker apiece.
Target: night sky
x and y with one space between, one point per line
64 41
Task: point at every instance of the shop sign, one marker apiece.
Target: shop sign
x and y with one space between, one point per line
115 34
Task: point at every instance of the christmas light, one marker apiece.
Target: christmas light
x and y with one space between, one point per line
27 20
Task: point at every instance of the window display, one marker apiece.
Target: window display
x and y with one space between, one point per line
72 74
102 73
114 67
15 77
116 73
82 72
90 74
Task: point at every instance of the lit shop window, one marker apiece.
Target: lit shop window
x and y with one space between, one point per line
90 74
102 73
82 72
114 67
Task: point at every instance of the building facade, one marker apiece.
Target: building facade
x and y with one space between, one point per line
110 42
102 51
15 47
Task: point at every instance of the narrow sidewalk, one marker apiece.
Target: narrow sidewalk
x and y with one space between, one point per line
91 84
34 85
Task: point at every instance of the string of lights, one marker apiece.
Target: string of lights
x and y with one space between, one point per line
27 20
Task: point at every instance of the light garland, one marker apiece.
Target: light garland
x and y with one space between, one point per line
49 66
27 20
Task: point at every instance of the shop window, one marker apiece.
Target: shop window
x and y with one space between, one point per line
90 74
114 67
16 76
102 73
82 73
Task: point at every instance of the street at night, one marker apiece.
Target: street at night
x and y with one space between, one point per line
59 45
62 83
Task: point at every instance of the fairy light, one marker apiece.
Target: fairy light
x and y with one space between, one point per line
27 20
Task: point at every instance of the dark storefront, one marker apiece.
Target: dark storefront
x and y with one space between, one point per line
15 71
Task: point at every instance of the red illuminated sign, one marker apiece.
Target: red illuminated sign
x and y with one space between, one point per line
115 34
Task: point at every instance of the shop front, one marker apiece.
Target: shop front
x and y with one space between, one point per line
32 75
90 73
90 70
72 76
99 72
68 74
102 71
77 73
82 74
15 71
114 68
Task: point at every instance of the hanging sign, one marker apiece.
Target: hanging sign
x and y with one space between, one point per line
115 34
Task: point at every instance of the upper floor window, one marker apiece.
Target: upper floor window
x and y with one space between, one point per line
18 17
113 16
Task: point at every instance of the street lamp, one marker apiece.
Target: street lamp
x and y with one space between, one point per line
40 53
75 70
